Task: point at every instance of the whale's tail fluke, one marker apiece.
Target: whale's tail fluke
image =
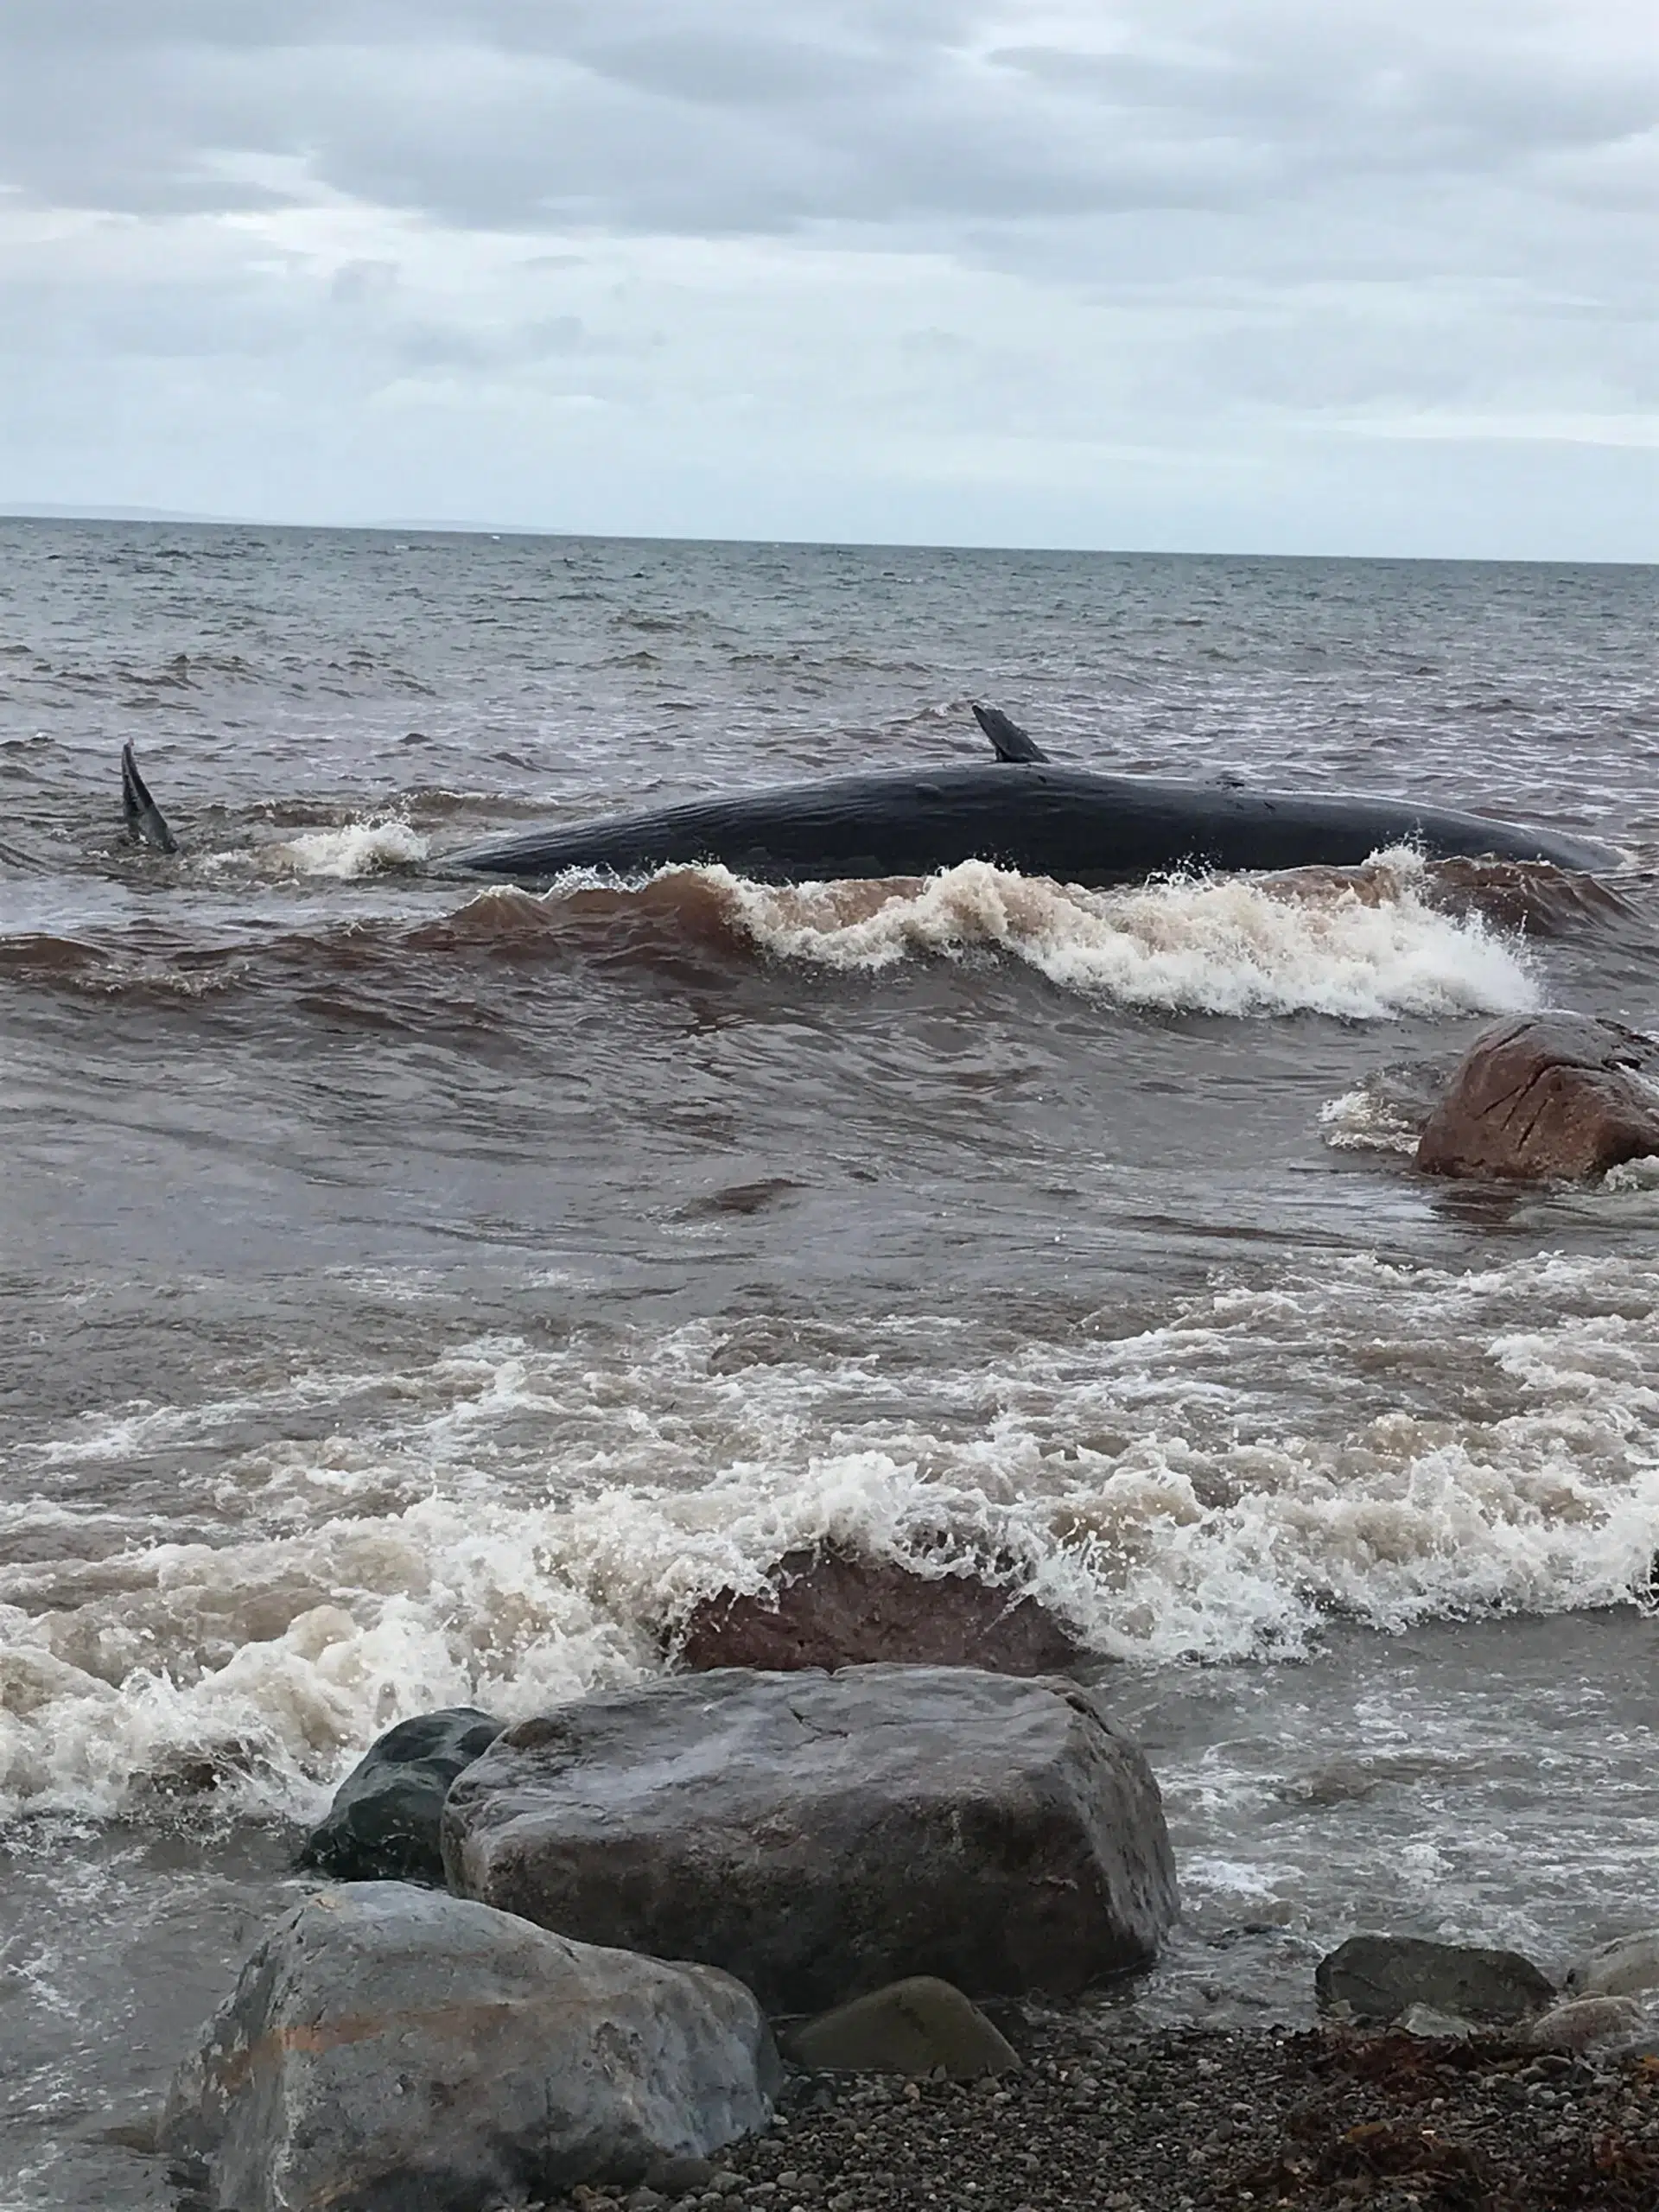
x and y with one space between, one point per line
1008 741
146 824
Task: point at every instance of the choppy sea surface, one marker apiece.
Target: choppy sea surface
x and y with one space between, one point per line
411 1291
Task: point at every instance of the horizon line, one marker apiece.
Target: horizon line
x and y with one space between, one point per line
64 512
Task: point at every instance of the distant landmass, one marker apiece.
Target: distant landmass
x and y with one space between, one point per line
53 510
58 511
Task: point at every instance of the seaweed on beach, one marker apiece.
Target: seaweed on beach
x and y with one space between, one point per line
1461 2135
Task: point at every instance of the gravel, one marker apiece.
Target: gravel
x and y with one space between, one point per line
1191 2121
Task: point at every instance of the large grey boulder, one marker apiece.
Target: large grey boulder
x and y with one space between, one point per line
1378 1979
383 1825
819 1835
389 2049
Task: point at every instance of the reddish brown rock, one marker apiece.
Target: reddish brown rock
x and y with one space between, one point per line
1550 1095
834 1609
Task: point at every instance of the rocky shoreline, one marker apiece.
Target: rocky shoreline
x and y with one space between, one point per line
797 1939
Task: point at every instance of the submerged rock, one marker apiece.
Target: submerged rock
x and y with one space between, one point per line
911 2027
382 1824
1380 1979
818 1835
1623 1968
1553 1095
387 2047
834 1609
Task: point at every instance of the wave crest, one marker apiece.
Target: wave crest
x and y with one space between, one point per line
1364 944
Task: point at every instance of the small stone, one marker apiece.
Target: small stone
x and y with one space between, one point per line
921 2027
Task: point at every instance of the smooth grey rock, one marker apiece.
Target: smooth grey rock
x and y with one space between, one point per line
911 2027
1379 1978
383 1825
389 2049
819 1835
1584 2023
1623 1968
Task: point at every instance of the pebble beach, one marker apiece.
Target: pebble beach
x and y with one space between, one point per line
1193 2122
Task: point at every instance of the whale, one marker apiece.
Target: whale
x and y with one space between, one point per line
1022 812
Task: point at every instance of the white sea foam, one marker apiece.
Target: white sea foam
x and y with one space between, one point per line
513 1525
1365 1119
359 848
1364 946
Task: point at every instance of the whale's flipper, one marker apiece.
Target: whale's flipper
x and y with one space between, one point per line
146 824
1008 741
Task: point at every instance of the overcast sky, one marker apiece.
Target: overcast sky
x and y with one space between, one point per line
1327 275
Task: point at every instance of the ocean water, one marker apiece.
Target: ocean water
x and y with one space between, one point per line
413 1291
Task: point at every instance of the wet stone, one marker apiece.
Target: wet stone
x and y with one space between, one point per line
1378 1978
384 1823
1550 1095
834 1608
819 1835
388 2047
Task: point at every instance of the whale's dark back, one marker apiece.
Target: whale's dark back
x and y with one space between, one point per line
1065 823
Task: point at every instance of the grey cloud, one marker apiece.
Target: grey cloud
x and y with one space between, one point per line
1198 229
715 114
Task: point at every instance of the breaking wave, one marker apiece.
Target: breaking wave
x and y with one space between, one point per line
513 1525
1365 945
1362 945
1368 950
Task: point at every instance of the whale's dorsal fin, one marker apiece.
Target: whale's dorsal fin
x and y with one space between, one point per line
146 824
1008 741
